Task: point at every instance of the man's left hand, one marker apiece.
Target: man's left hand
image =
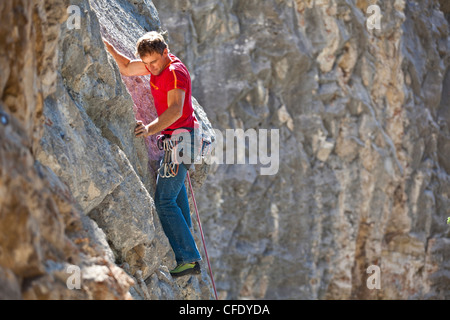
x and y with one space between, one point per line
141 130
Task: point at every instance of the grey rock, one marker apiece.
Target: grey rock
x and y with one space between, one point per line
363 129
363 123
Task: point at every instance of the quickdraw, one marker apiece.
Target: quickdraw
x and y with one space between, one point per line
170 165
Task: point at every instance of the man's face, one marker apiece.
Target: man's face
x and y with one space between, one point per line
156 62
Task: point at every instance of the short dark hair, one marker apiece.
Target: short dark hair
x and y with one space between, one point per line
150 43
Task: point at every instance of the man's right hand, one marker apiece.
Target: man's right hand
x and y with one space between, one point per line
107 45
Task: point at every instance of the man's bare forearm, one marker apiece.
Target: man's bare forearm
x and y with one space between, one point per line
121 60
127 67
167 118
175 101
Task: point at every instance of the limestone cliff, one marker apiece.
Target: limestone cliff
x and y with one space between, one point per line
363 180
364 123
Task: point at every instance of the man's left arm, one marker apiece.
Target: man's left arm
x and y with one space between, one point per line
175 102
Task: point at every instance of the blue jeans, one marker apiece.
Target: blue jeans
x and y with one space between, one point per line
172 205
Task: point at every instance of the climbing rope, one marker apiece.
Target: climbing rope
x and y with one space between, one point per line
203 237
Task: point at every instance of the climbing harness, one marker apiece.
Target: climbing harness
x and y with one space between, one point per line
203 237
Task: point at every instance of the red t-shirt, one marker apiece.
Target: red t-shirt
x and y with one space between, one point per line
174 76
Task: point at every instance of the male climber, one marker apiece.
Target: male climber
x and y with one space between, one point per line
170 84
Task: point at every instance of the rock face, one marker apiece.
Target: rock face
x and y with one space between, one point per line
363 117
43 230
356 209
76 185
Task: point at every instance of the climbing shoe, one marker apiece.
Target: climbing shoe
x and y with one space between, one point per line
185 269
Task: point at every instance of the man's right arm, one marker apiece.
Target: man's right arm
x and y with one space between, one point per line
127 67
